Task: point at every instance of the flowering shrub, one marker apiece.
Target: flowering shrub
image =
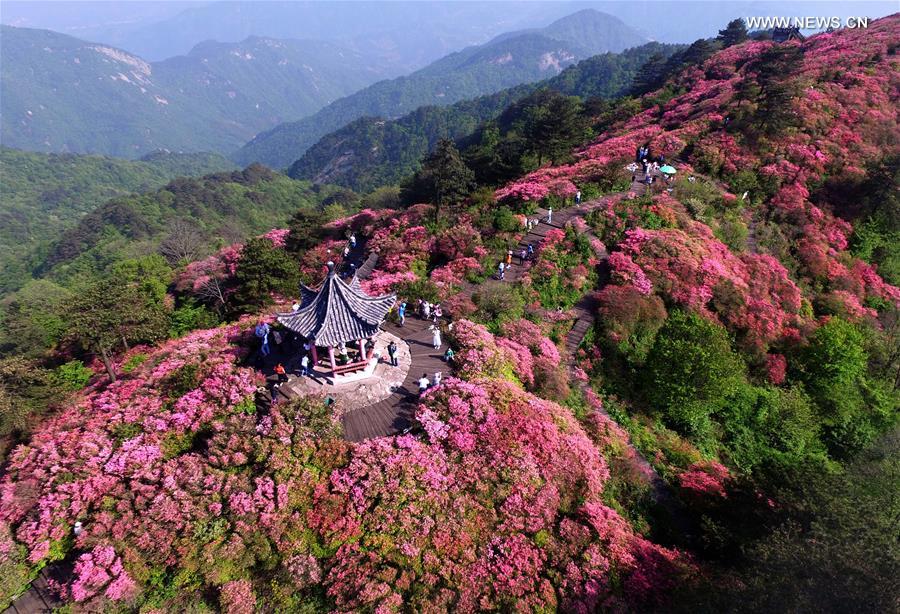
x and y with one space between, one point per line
705 479
477 513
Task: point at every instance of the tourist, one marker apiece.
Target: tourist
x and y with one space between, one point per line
438 313
370 348
530 251
262 333
436 337
352 241
352 269
401 312
508 258
423 383
304 365
342 351
578 197
426 310
346 251
501 269
281 373
523 254
392 352
276 337
448 355
550 215
437 379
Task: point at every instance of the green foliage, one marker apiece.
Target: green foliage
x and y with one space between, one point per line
226 208
498 303
770 429
191 316
444 179
72 375
690 370
111 312
315 415
836 552
182 381
876 238
734 33
371 151
45 194
262 270
33 319
27 392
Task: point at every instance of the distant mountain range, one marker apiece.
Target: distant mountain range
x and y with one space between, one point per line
508 60
43 195
62 94
373 151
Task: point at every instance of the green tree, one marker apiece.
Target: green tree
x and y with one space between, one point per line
27 390
833 363
650 75
110 312
444 178
305 229
734 33
690 371
553 124
262 270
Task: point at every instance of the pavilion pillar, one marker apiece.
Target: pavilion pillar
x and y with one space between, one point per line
315 355
331 358
362 350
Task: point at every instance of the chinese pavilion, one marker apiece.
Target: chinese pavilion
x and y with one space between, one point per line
336 314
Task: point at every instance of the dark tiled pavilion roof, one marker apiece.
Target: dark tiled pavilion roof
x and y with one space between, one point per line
337 312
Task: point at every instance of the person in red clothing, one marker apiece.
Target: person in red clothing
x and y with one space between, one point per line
281 373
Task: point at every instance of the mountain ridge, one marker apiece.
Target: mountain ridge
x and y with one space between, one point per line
64 94
543 56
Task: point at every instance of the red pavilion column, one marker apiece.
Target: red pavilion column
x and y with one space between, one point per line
362 350
331 358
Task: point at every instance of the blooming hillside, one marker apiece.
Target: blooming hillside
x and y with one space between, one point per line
177 483
836 97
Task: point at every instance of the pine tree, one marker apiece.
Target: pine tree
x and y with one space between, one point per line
444 178
262 270
110 312
734 33
553 124
650 75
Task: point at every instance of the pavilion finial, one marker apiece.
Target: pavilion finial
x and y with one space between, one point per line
330 265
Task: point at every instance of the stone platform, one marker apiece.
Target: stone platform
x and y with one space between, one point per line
359 389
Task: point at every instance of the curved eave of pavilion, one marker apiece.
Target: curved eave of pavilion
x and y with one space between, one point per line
337 312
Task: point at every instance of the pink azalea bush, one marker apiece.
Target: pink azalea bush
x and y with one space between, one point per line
499 507
522 354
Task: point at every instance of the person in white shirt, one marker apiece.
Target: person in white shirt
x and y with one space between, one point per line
437 379
423 383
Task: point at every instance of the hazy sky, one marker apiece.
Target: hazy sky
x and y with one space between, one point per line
157 29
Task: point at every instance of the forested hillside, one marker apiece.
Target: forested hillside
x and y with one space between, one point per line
508 60
62 94
45 194
374 151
